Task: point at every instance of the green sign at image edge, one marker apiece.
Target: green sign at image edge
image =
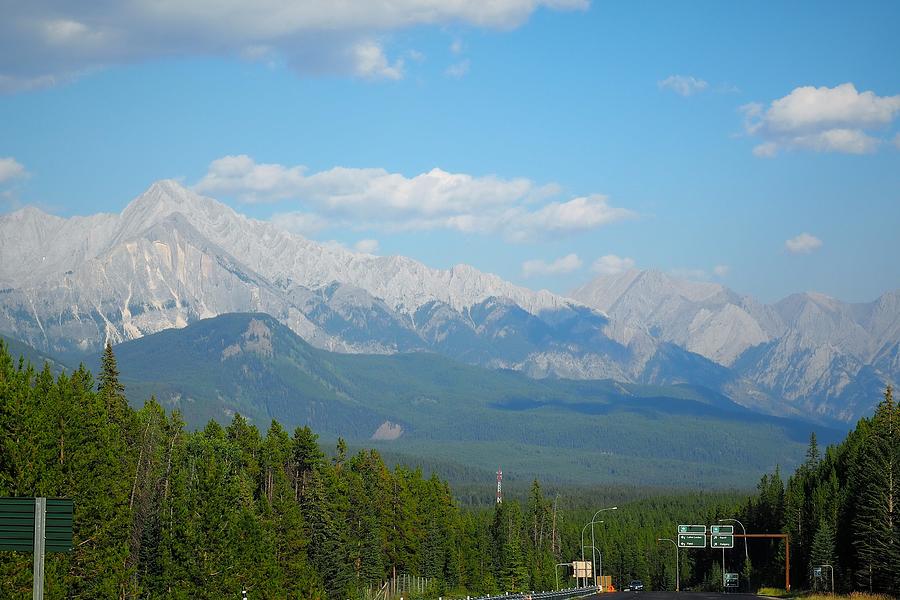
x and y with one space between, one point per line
17 525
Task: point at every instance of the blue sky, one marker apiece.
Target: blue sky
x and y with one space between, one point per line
700 138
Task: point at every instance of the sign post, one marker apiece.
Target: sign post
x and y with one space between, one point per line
40 518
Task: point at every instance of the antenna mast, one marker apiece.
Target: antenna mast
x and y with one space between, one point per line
499 486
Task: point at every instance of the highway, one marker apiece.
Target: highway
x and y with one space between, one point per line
673 596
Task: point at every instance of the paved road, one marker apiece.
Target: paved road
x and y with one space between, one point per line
673 596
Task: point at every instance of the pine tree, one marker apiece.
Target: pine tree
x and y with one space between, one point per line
823 547
877 521
112 392
812 452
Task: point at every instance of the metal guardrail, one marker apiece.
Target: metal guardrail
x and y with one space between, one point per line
556 595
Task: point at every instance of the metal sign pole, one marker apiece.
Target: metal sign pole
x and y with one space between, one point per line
40 516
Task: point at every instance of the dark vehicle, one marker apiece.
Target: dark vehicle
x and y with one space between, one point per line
637 585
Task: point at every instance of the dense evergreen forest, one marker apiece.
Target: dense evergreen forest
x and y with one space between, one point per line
163 512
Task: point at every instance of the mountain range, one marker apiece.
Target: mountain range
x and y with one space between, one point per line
173 257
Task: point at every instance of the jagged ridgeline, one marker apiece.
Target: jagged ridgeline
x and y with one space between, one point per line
173 257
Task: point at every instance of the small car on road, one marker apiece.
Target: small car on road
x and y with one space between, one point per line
636 585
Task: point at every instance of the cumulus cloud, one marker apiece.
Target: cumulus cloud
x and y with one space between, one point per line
373 198
367 246
371 63
803 244
611 264
458 70
683 85
300 222
823 119
48 42
11 169
538 267
721 270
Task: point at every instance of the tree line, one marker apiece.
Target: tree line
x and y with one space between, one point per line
164 512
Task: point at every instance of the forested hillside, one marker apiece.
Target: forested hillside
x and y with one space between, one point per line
163 512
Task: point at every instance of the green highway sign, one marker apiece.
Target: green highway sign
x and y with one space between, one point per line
721 529
692 540
17 520
721 541
691 529
731 579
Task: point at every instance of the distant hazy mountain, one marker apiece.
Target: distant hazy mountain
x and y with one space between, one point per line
173 257
435 408
810 352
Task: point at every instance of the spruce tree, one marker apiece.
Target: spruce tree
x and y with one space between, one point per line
112 392
877 521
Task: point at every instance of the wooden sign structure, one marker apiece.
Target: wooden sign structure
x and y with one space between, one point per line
37 525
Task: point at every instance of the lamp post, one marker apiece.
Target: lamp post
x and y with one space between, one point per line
746 553
592 537
677 573
583 529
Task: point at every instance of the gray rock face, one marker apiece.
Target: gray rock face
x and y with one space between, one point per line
173 257
808 353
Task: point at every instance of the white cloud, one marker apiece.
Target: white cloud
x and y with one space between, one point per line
578 214
683 85
367 246
47 42
11 169
457 70
821 119
560 266
376 199
456 47
803 244
721 270
371 63
611 264
300 222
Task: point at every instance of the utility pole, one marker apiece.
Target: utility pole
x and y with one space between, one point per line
677 572
499 485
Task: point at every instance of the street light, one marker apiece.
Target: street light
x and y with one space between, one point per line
593 566
677 573
583 529
746 553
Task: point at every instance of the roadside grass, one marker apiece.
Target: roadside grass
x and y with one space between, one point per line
781 593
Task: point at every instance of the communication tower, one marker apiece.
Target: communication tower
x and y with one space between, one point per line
499 486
